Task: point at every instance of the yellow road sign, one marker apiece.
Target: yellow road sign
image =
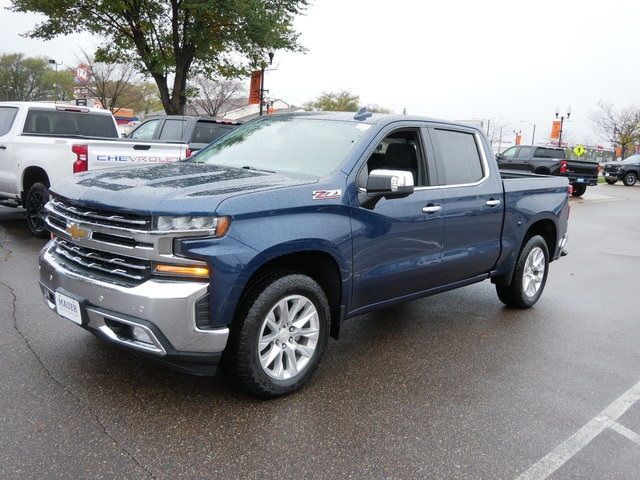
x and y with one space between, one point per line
579 150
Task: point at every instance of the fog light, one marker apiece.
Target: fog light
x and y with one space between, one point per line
141 335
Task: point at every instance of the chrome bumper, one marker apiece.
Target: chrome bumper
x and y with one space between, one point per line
163 309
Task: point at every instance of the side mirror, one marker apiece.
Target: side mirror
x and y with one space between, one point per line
390 183
499 156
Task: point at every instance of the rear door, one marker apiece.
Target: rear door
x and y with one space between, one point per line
206 132
472 195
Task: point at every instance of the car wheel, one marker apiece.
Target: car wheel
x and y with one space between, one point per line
279 336
37 197
578 190
630 179
610 181
529 277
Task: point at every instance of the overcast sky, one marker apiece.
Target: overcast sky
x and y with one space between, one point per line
507 60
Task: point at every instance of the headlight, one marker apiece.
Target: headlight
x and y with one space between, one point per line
219 225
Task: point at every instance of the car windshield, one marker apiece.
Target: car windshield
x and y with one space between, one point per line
287 144
632 159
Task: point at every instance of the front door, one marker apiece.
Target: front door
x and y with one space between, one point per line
397 243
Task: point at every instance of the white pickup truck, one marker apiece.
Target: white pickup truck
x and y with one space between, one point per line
41 143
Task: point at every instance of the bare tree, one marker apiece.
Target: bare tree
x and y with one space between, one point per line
499 132
113 84
620 127
216 96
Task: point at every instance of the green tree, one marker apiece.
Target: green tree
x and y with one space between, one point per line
378 109
58 85
170 40
21 78
341 101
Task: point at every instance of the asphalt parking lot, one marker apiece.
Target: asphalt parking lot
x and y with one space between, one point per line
453 386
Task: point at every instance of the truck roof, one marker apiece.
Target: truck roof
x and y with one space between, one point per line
53 106
375 118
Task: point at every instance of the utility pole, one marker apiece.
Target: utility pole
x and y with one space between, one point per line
562 123
262 90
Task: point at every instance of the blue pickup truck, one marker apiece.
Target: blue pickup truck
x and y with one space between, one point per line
252 252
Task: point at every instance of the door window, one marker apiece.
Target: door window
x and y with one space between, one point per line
459 161
7 114
145 131
525 152
173 130
509 153
400 151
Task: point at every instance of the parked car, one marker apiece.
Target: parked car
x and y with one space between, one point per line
550 161
626 170
197 132
42 142
255 250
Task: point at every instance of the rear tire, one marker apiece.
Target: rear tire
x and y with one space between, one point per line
530 267
271 318
35 200
630 179
610 181
578 190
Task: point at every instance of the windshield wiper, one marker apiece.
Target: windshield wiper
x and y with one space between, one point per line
248 167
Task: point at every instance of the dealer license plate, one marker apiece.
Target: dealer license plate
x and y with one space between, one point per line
68 308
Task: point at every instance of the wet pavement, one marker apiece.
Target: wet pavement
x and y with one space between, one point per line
452 386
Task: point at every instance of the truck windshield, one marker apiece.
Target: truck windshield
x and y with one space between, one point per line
294 145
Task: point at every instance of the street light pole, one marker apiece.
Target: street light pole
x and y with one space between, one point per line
262 83
53 62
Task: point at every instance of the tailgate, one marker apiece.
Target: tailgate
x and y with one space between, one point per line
114 153
577 168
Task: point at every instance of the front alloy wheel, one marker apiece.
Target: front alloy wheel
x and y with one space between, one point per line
288 337
37 198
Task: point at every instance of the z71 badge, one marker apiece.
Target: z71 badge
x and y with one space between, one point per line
327 194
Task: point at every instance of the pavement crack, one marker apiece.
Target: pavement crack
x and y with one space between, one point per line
80 400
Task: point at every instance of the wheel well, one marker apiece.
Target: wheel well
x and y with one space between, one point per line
547 230
33 175
316 264
632 171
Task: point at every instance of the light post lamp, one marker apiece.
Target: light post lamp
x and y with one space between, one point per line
262 90
562 123
56 64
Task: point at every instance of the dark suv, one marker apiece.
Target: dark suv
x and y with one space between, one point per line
627 171
197 132
550 161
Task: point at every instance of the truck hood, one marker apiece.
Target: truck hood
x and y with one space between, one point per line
175 188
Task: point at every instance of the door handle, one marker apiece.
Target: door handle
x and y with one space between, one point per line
2 147
492 203
431 209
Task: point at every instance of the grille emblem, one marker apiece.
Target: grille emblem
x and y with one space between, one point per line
77 232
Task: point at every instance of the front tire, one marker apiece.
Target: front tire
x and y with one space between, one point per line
630 179
36 199
529 277
610 181
279 336
578 190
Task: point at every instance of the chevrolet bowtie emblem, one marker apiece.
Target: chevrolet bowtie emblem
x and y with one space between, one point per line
77 232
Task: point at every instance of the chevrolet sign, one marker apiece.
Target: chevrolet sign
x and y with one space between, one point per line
77 232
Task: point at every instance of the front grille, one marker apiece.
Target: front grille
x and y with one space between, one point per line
102 265
59 211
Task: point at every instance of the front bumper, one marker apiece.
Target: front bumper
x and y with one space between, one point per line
616 175
163 309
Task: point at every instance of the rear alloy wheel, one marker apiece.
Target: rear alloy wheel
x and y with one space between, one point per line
37 198
529 276
611 181
578 190
630 179
279 336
